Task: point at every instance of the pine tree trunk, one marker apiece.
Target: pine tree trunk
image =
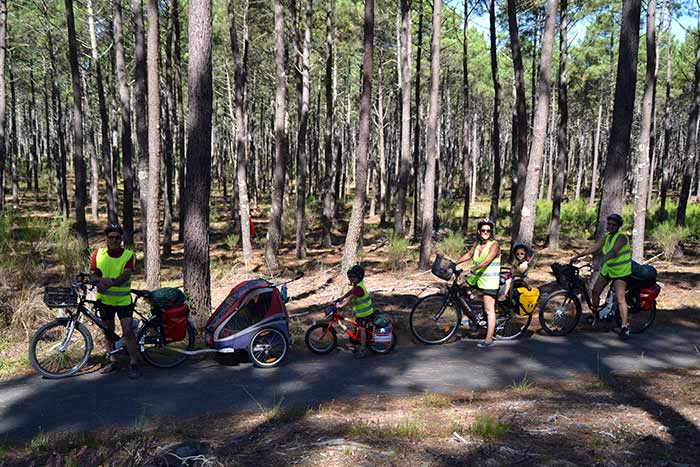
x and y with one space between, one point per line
153 210
539 132
198 182
355 226
495 135
432 143
642 179
78 160
329 192
466 161
663 189
405 157
562 131
302 145
380 186
169 118
14 151
3 101
596 153
105 147
274 234
520 128
127 144
180 120
416 131
140 95
241 79
612 197
690 143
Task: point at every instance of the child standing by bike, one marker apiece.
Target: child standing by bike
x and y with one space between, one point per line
361 304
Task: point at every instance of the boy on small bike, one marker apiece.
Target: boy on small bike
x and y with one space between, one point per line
361 304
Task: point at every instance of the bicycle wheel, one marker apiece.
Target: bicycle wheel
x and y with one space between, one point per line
319 341
157 352
55 354
267 348
560 313
434 319
510 325
383 347
639 320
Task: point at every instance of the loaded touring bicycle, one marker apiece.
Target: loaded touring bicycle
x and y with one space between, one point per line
253 318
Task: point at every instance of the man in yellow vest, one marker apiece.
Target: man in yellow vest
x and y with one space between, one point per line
112 267
361 303
616 267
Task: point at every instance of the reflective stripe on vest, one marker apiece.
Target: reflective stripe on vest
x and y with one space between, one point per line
362 306
489 278
111 268
619 265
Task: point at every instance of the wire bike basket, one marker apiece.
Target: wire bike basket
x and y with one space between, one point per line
565 274
443 268
60 297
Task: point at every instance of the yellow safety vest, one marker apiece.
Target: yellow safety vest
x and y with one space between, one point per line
362 306
111 268
489 278
619 265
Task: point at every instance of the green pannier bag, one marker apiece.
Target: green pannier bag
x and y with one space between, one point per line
167 297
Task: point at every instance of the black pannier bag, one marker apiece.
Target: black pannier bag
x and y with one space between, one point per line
643 275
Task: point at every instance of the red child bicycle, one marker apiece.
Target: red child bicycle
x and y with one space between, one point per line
321 338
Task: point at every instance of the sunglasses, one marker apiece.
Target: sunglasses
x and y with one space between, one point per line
114 237
485 230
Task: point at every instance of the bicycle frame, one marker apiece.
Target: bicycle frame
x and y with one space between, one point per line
354 334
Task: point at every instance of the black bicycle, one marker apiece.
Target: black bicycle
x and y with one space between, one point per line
561 311
436 318
62 347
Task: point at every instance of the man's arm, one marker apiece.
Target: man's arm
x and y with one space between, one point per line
596 246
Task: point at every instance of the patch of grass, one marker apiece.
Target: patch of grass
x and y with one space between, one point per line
292 414
232 241
70 251
28 309
451 246
489 427
434 400
358 429
668 235
39 442
409 429
523 385
398 253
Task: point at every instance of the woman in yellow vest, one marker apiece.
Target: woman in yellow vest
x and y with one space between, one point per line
616 267
111 267
485 272
361 303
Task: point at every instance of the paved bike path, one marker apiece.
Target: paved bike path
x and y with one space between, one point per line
31 404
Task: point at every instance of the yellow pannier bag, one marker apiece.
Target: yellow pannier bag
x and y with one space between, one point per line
528 300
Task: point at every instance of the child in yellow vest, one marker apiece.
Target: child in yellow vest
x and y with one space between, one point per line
358 297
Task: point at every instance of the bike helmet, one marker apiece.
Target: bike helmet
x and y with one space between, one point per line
518 246
357 271
617 218
114 228
486 221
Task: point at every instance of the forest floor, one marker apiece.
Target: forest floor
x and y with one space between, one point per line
638 418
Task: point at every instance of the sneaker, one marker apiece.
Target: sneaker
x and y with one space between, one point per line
485 344
109 368
134 372
625 332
